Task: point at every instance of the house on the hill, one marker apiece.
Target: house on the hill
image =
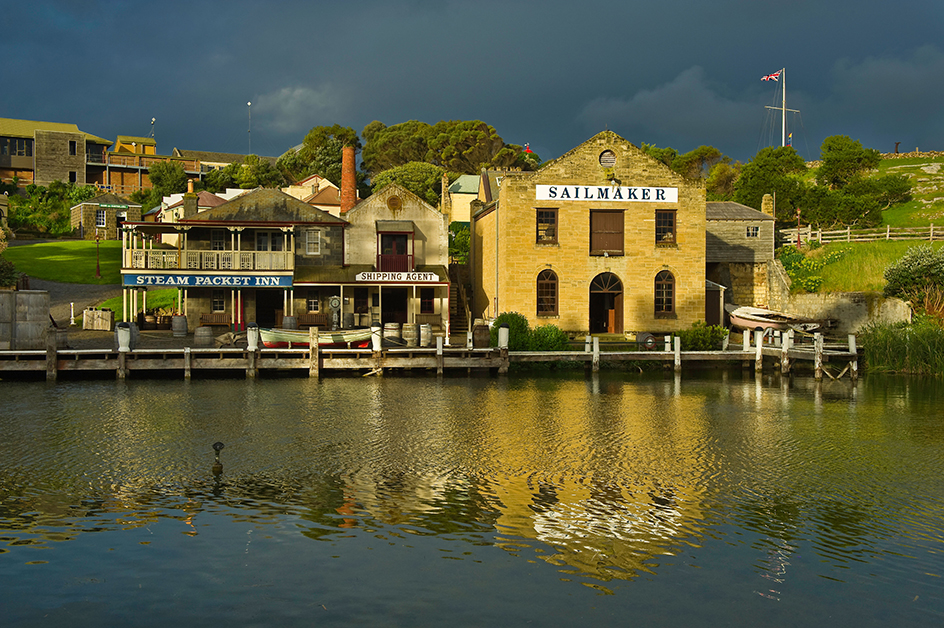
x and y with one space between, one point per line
102 217
602 239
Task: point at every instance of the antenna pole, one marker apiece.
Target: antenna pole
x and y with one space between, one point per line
249 107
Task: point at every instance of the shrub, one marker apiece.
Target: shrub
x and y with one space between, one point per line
919 270
518 330
702 337
8 273
548 338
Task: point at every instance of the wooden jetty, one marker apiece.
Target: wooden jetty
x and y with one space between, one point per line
755 349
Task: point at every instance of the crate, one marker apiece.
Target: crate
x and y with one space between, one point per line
101 320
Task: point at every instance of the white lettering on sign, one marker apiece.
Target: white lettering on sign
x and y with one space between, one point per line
207 280
411 277
622 194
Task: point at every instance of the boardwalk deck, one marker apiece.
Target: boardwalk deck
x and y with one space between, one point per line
150 362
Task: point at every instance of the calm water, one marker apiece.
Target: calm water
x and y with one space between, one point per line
549 500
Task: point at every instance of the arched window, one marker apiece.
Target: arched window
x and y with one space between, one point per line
665 293
547 293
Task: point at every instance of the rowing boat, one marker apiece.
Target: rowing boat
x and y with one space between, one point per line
757 318
281 338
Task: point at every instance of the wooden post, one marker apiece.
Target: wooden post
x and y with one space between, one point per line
678 354
668 343
784 355
758 350
188 361
439 355
854 363
251 363
51 357
503 367
747 340
122 365
596 355
314 353
587 342
818 356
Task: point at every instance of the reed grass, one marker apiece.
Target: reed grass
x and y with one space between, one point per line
899 348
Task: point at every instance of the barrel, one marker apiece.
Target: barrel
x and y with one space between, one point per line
203 336
289 322
411 333
426 335
392 331
150 322
179 325
481 338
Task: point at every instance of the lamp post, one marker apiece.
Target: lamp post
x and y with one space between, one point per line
249 109
98 268
798 227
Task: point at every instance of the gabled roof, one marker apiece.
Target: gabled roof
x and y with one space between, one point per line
327 196
266 205
204 199
729 210
27 128
108 199
218 158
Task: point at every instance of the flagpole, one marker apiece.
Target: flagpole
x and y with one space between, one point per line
783 127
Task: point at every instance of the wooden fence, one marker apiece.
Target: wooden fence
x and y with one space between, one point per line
808 234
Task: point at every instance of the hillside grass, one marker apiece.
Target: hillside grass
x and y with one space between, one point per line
927 190
862 265
68 261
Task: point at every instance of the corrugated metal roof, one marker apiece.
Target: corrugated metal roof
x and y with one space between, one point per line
466 184
206 156
27 128
145 141
266 205
729 210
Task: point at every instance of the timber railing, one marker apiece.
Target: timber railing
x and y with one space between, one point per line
807 234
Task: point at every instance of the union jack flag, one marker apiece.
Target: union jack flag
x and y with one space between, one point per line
772 77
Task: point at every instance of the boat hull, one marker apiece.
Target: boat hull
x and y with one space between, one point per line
288 338
759 319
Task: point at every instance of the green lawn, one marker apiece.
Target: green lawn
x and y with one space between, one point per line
68 261
863 265
164 299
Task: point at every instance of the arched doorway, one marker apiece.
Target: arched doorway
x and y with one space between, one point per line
606 304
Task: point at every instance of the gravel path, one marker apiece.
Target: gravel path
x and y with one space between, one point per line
61 295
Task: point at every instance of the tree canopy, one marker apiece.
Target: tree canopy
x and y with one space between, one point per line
321 154
461 146
421 178
46 209
844 160
774 170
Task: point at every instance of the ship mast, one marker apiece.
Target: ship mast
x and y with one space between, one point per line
783 108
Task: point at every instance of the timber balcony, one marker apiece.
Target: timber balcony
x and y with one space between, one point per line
395 263
209 260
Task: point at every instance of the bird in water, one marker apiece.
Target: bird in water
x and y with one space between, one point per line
217 465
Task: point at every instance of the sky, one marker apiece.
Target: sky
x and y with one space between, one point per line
679 73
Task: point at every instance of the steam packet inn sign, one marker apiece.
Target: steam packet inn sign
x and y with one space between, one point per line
208 281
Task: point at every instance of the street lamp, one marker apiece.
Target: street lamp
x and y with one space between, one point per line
98 268
249 109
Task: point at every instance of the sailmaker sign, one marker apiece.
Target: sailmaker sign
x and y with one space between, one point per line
621 194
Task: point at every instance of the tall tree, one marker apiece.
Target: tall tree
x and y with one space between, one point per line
843 160
421 178
772 171
320 153
167 177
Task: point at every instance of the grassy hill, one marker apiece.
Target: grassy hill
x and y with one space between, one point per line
927 188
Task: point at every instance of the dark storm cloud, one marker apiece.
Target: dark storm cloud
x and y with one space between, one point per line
552 73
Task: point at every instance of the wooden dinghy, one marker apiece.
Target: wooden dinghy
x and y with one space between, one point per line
758 318
282 338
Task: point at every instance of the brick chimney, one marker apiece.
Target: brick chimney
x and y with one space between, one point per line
190 201
348 179
767 205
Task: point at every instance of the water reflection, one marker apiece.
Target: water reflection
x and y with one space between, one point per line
600 478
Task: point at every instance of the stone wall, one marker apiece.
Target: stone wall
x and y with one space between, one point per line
851 311
59 156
